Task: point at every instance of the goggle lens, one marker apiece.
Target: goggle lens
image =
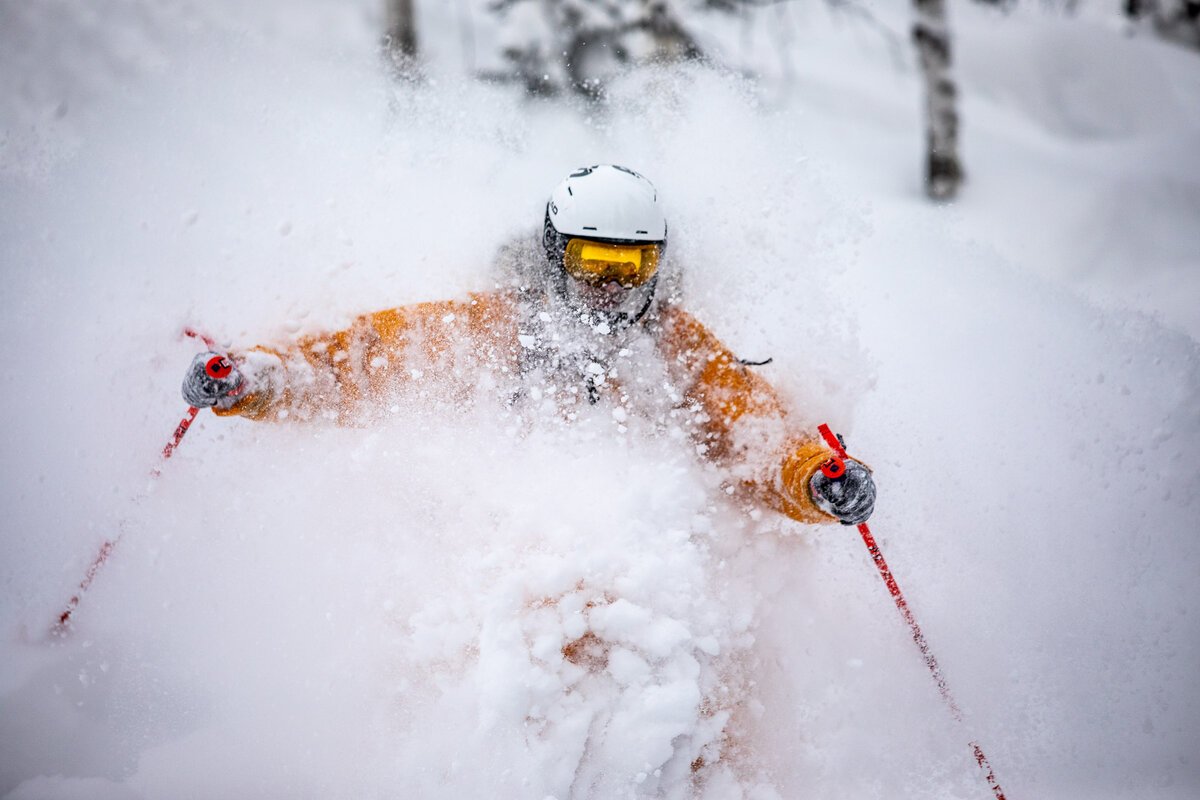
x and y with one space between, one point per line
597 263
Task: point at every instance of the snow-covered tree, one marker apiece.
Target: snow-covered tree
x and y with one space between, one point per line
1177 20
557 45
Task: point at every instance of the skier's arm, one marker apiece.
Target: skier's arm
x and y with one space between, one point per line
340 375
744 425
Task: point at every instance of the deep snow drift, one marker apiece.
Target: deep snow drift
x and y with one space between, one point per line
306 611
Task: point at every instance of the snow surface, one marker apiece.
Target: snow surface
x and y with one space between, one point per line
303 611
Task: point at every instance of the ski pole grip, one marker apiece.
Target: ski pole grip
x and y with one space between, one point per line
835 467
218 367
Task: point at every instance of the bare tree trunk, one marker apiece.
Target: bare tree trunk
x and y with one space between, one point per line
943 173
400 37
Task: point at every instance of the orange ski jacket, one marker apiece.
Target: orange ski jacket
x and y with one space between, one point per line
740 421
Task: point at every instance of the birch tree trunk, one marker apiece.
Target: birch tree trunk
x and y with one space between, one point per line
943 171
400 37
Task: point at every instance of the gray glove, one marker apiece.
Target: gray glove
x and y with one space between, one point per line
212 380
845 489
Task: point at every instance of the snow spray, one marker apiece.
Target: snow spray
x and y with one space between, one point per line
835 468
62 625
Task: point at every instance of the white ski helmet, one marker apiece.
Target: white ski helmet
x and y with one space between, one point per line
608 203
604 226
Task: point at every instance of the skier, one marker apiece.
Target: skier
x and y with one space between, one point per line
582 324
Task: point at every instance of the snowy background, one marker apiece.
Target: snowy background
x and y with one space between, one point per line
308 612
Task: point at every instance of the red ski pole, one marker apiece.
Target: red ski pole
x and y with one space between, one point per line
62 624
834 468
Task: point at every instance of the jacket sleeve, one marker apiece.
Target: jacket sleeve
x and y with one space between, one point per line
427 349
740 420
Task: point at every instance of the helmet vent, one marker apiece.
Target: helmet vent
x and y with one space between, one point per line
589 227
645 232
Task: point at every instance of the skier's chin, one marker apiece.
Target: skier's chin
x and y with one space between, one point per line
609 298
609 308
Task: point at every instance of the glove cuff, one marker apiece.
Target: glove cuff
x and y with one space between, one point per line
799 466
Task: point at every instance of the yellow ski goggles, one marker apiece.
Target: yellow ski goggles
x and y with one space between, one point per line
597 263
